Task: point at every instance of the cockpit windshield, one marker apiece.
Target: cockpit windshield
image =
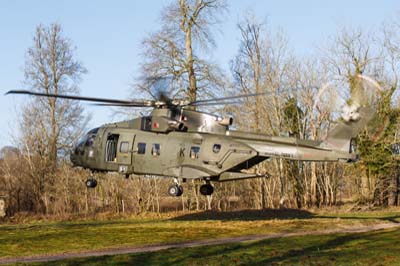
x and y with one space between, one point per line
87 140
93 131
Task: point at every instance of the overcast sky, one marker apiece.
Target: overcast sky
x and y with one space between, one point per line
108 36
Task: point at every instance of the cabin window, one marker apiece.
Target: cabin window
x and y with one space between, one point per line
216 148
141 148
156 149
124 147
111 148
194 152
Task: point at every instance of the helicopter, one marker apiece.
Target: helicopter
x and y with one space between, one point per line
181 143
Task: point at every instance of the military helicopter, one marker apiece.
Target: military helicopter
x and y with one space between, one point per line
181 143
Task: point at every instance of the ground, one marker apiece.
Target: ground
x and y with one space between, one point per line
314 247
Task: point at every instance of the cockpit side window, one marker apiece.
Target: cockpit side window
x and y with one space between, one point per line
90 140
145 124
86 141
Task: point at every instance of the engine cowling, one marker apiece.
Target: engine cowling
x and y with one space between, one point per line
176 125
225 121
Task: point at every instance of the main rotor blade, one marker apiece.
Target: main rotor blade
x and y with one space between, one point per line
216 100
201 102
123 104
82 98
219 103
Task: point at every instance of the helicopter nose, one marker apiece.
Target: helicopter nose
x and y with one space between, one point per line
75 157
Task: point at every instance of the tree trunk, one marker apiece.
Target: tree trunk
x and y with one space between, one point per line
313 184
190 65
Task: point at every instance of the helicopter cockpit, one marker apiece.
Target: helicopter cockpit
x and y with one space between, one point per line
83 146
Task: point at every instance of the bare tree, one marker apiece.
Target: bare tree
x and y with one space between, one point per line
50 67
50 126
264 65
178 50
356 52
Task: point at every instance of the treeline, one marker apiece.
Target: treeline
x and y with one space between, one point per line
301 100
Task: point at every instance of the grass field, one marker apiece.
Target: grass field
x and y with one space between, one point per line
375 248
40 238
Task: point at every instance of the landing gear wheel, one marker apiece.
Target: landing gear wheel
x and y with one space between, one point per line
175 190
91 183
206 189
180 191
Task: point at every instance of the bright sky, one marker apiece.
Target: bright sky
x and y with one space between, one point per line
108 37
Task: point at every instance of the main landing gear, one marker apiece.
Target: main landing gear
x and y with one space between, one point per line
175 190
206 189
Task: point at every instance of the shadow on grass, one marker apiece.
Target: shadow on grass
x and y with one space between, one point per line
348 249
274 214
247 215
378 248
392 218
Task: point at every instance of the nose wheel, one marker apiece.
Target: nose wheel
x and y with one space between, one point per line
91 182
206 189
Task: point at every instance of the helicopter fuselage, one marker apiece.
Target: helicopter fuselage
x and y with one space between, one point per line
150 146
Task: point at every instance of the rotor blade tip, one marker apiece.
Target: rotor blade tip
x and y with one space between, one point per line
17 92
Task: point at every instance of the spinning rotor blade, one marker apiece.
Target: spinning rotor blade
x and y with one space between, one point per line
160 88
223 100
150 104
107 102
217 101
161 99
342 102
121 105
366 91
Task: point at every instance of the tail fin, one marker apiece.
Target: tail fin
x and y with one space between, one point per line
356 119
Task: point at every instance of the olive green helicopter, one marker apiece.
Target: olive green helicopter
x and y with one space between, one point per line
181 143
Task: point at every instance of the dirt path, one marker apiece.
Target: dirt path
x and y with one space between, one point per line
196 243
